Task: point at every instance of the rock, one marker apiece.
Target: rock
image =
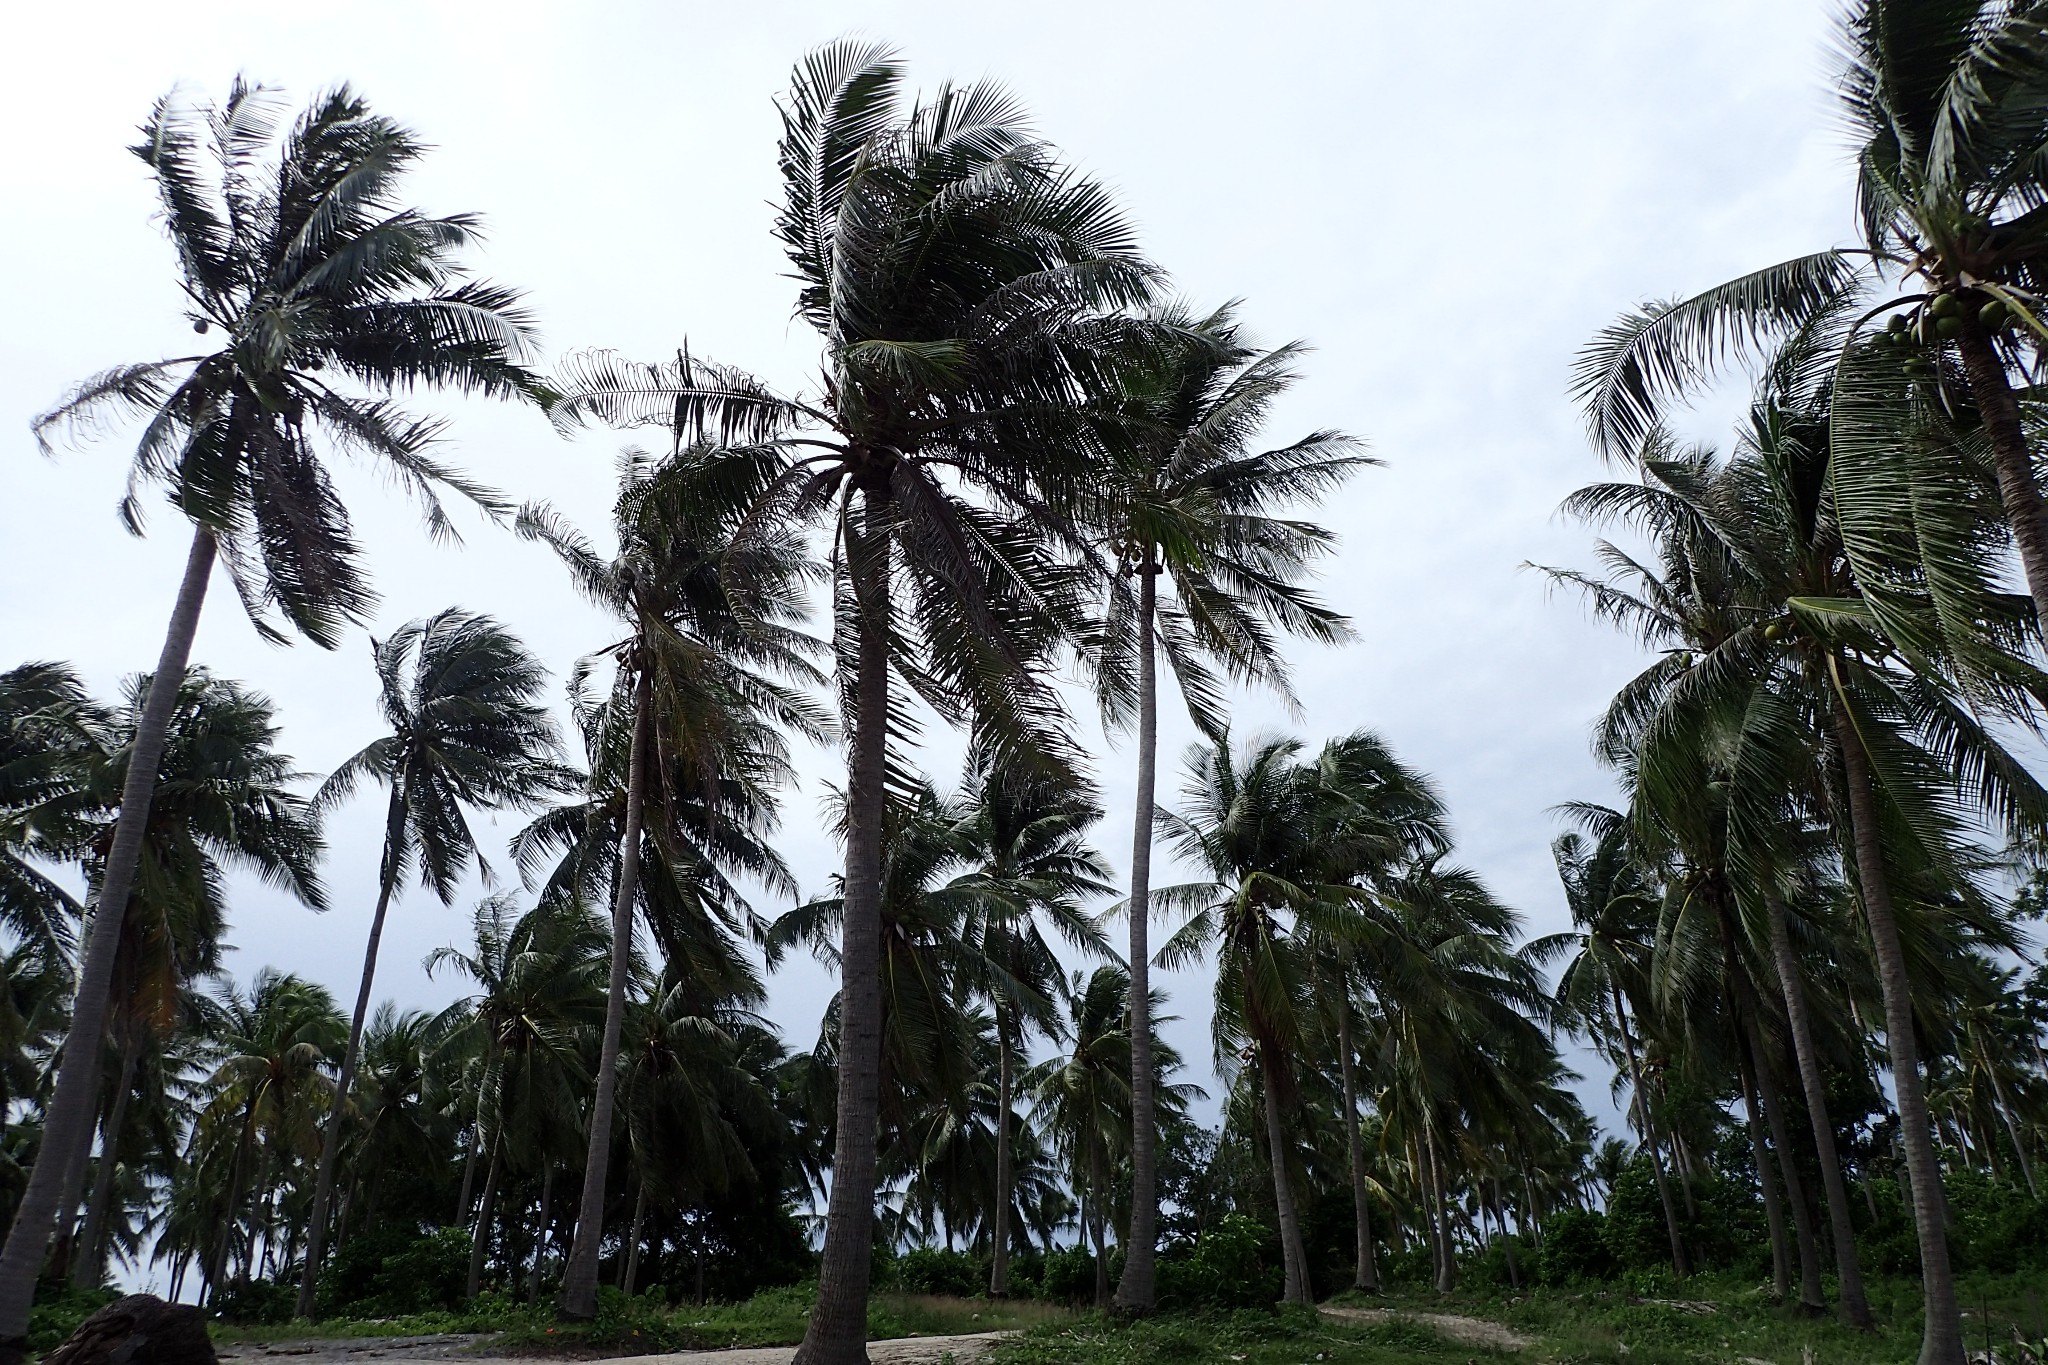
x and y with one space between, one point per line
139 1330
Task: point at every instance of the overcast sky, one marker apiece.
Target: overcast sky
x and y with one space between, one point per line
1445 200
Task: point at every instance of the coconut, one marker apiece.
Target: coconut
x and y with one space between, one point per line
1897 323
1944 305
1992 314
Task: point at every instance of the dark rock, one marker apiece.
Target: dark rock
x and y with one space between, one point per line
139 1330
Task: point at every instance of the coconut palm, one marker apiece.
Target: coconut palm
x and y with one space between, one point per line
962 281
1025 836
223 800
51 732
458 692
1185 503
1248 820
327 293
704 617
539 981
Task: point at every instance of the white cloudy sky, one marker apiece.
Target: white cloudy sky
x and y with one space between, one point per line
1445 199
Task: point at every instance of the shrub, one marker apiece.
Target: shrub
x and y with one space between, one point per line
58 1311
394 1270
1575 1247
258 1301
938 1270
1233 1264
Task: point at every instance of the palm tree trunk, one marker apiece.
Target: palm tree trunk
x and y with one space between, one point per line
1941 1341
88 1259
1774 1212
1294 1259
1097 1178
1500 1216
631 1274
1854 1305
1447 1255
2018 489
480 1242
579 1277
68 1119
476 1138
1367 1276
540 1232
330 1142
1137 1289
837 1333
999 1258
2012 1127
1649 1130
1811 1299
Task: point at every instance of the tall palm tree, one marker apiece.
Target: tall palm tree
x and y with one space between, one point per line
315 277
1248 820
1025 836
458 692
704 617
963 283
51 733
223 799
539 981
1186 503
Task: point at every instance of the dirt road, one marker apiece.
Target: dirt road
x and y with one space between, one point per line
440 1350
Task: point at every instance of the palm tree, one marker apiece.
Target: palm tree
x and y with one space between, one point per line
51 733
1026 836
1806 695
1248 820
539 992
962 281
458 691
704 615
223 798
265 1093
1184 502
313 273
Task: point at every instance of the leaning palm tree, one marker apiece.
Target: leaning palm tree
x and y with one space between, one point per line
327 293
458 693
965 284
1248 820
708 623
1186 504
224 798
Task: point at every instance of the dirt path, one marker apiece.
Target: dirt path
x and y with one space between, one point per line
441 1349
1463 1330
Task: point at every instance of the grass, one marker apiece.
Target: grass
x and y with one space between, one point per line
1720 1322
775 1317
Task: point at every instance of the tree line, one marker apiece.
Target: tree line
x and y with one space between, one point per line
1795 937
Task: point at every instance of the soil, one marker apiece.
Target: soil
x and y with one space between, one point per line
1454 1326
475 1350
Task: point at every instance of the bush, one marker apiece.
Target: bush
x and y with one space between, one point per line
1233 1264
58 1311
1574 1247
395 1270
938 1270
258 1301
1069 1276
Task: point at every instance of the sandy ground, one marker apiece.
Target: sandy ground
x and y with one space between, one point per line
1463 1330
472 1351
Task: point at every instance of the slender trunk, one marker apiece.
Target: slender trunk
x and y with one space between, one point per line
1686 1165
837 1332
480 1242
1649 1130
1941 1342
1811 1298
1854 1305
1137 1289
1097 1179
1774 1212
476 1138
1368 1276
2018 489
999 1258
337 1114
89 1258
2012 1127
68 1118
632 1270
1500 1216
579 1277
1447 1257
540 1234
1293 1257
